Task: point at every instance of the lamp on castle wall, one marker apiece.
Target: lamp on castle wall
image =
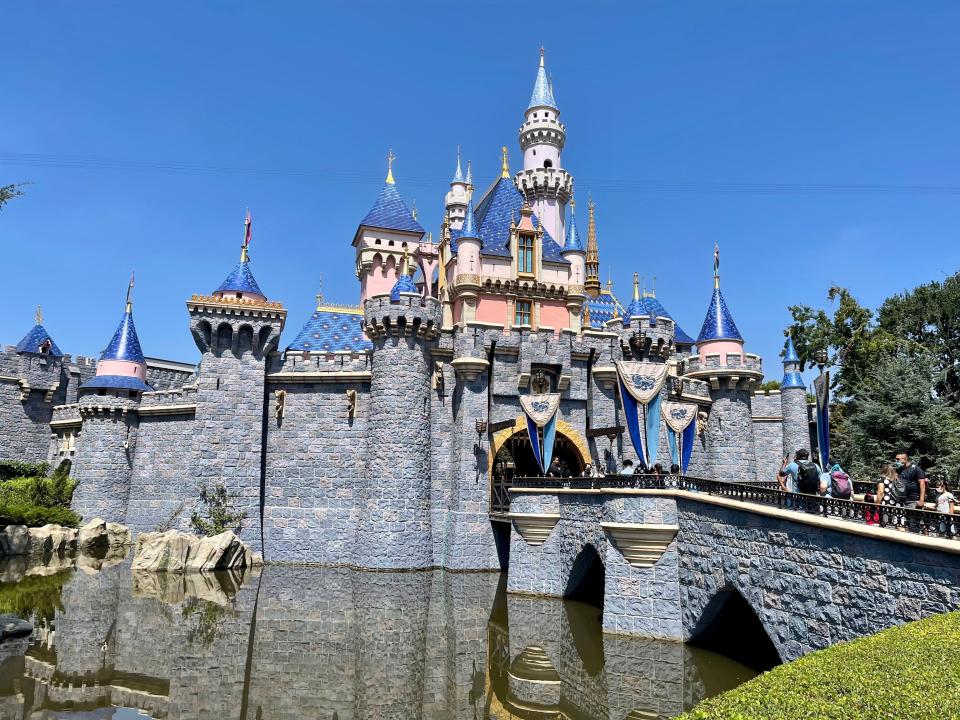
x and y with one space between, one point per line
820 357
637 341
481 426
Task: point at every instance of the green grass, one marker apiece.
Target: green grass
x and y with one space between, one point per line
909 672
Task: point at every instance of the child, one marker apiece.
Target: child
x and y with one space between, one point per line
945 498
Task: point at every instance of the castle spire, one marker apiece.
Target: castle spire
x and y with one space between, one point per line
404 284
129 305
247 237
458 175
542 88
469 176
791 366
718 324
504 163
592 284
572 242
470 229
390 158
38 316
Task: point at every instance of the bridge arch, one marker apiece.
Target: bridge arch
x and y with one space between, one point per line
730 625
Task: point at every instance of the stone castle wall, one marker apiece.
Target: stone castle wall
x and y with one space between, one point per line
767 434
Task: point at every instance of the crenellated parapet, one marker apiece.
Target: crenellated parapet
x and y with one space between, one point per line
178 401
411 316
735 370
236 325
645 338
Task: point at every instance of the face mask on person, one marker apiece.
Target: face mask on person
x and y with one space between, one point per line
899 464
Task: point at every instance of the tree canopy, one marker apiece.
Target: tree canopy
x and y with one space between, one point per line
9 192
895 374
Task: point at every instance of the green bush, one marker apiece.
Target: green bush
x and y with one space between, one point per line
35 516
908 672
35 597
10 469
56 491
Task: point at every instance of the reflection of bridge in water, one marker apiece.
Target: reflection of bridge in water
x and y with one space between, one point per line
325 643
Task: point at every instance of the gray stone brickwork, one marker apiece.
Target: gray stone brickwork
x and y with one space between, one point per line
730 436
767 433
810 587
796 426
394 524
104 457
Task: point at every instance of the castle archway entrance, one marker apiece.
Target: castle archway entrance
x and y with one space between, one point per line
511 455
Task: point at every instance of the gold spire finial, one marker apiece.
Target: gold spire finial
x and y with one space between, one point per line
320 292
573 204
390 158
39 316
405 267
504 163
636 286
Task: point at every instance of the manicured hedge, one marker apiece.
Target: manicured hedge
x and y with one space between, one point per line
10 469
36 501
910 672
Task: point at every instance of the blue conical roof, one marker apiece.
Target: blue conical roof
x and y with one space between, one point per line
125 344
542 89
572 242
404 284
718 324
790 352
390 212
470 229
655 309
37 336
240 280
458 175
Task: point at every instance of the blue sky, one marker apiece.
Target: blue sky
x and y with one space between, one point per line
799 136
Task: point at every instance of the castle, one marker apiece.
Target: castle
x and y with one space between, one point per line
385 435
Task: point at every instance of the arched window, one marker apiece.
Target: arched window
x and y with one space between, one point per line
548 163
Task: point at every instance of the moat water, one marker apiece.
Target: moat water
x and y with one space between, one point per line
331 643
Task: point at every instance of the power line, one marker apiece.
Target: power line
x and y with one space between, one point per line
76 162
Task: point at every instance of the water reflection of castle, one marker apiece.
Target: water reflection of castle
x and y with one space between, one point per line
336 643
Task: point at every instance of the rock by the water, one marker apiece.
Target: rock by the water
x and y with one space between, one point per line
52 539
13 627
118 535
14 540
174 551
93 535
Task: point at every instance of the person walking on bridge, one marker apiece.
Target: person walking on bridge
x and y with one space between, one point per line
801 475
914 479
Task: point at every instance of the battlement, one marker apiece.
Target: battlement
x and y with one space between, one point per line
731 371
65 416
551 182
644 337
295 366
169 402
412 315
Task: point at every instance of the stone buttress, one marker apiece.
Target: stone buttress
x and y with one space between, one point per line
394 526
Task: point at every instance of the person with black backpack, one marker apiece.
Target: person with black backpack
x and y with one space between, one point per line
801 475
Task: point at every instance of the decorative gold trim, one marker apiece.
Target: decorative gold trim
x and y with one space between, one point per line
568 431
342 309
236 302
641 545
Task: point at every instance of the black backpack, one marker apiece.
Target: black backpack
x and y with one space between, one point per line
808 478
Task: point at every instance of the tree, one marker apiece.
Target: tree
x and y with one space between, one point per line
897 409
219 513
9 192
768 385
929 316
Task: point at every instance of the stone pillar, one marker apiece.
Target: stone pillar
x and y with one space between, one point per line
235 338
394 528
103 464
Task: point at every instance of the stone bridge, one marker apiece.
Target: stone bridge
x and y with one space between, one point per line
725 573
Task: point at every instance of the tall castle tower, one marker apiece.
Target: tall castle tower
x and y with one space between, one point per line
461 188
236 327
793 403
545 185
731 374
108 407
394 524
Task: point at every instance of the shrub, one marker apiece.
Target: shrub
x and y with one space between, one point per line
903 673
219 516
10 469
35 516
40 491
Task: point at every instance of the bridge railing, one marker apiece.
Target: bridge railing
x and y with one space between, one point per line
923 522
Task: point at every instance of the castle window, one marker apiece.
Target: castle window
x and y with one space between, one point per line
548 163
522 316
525 254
